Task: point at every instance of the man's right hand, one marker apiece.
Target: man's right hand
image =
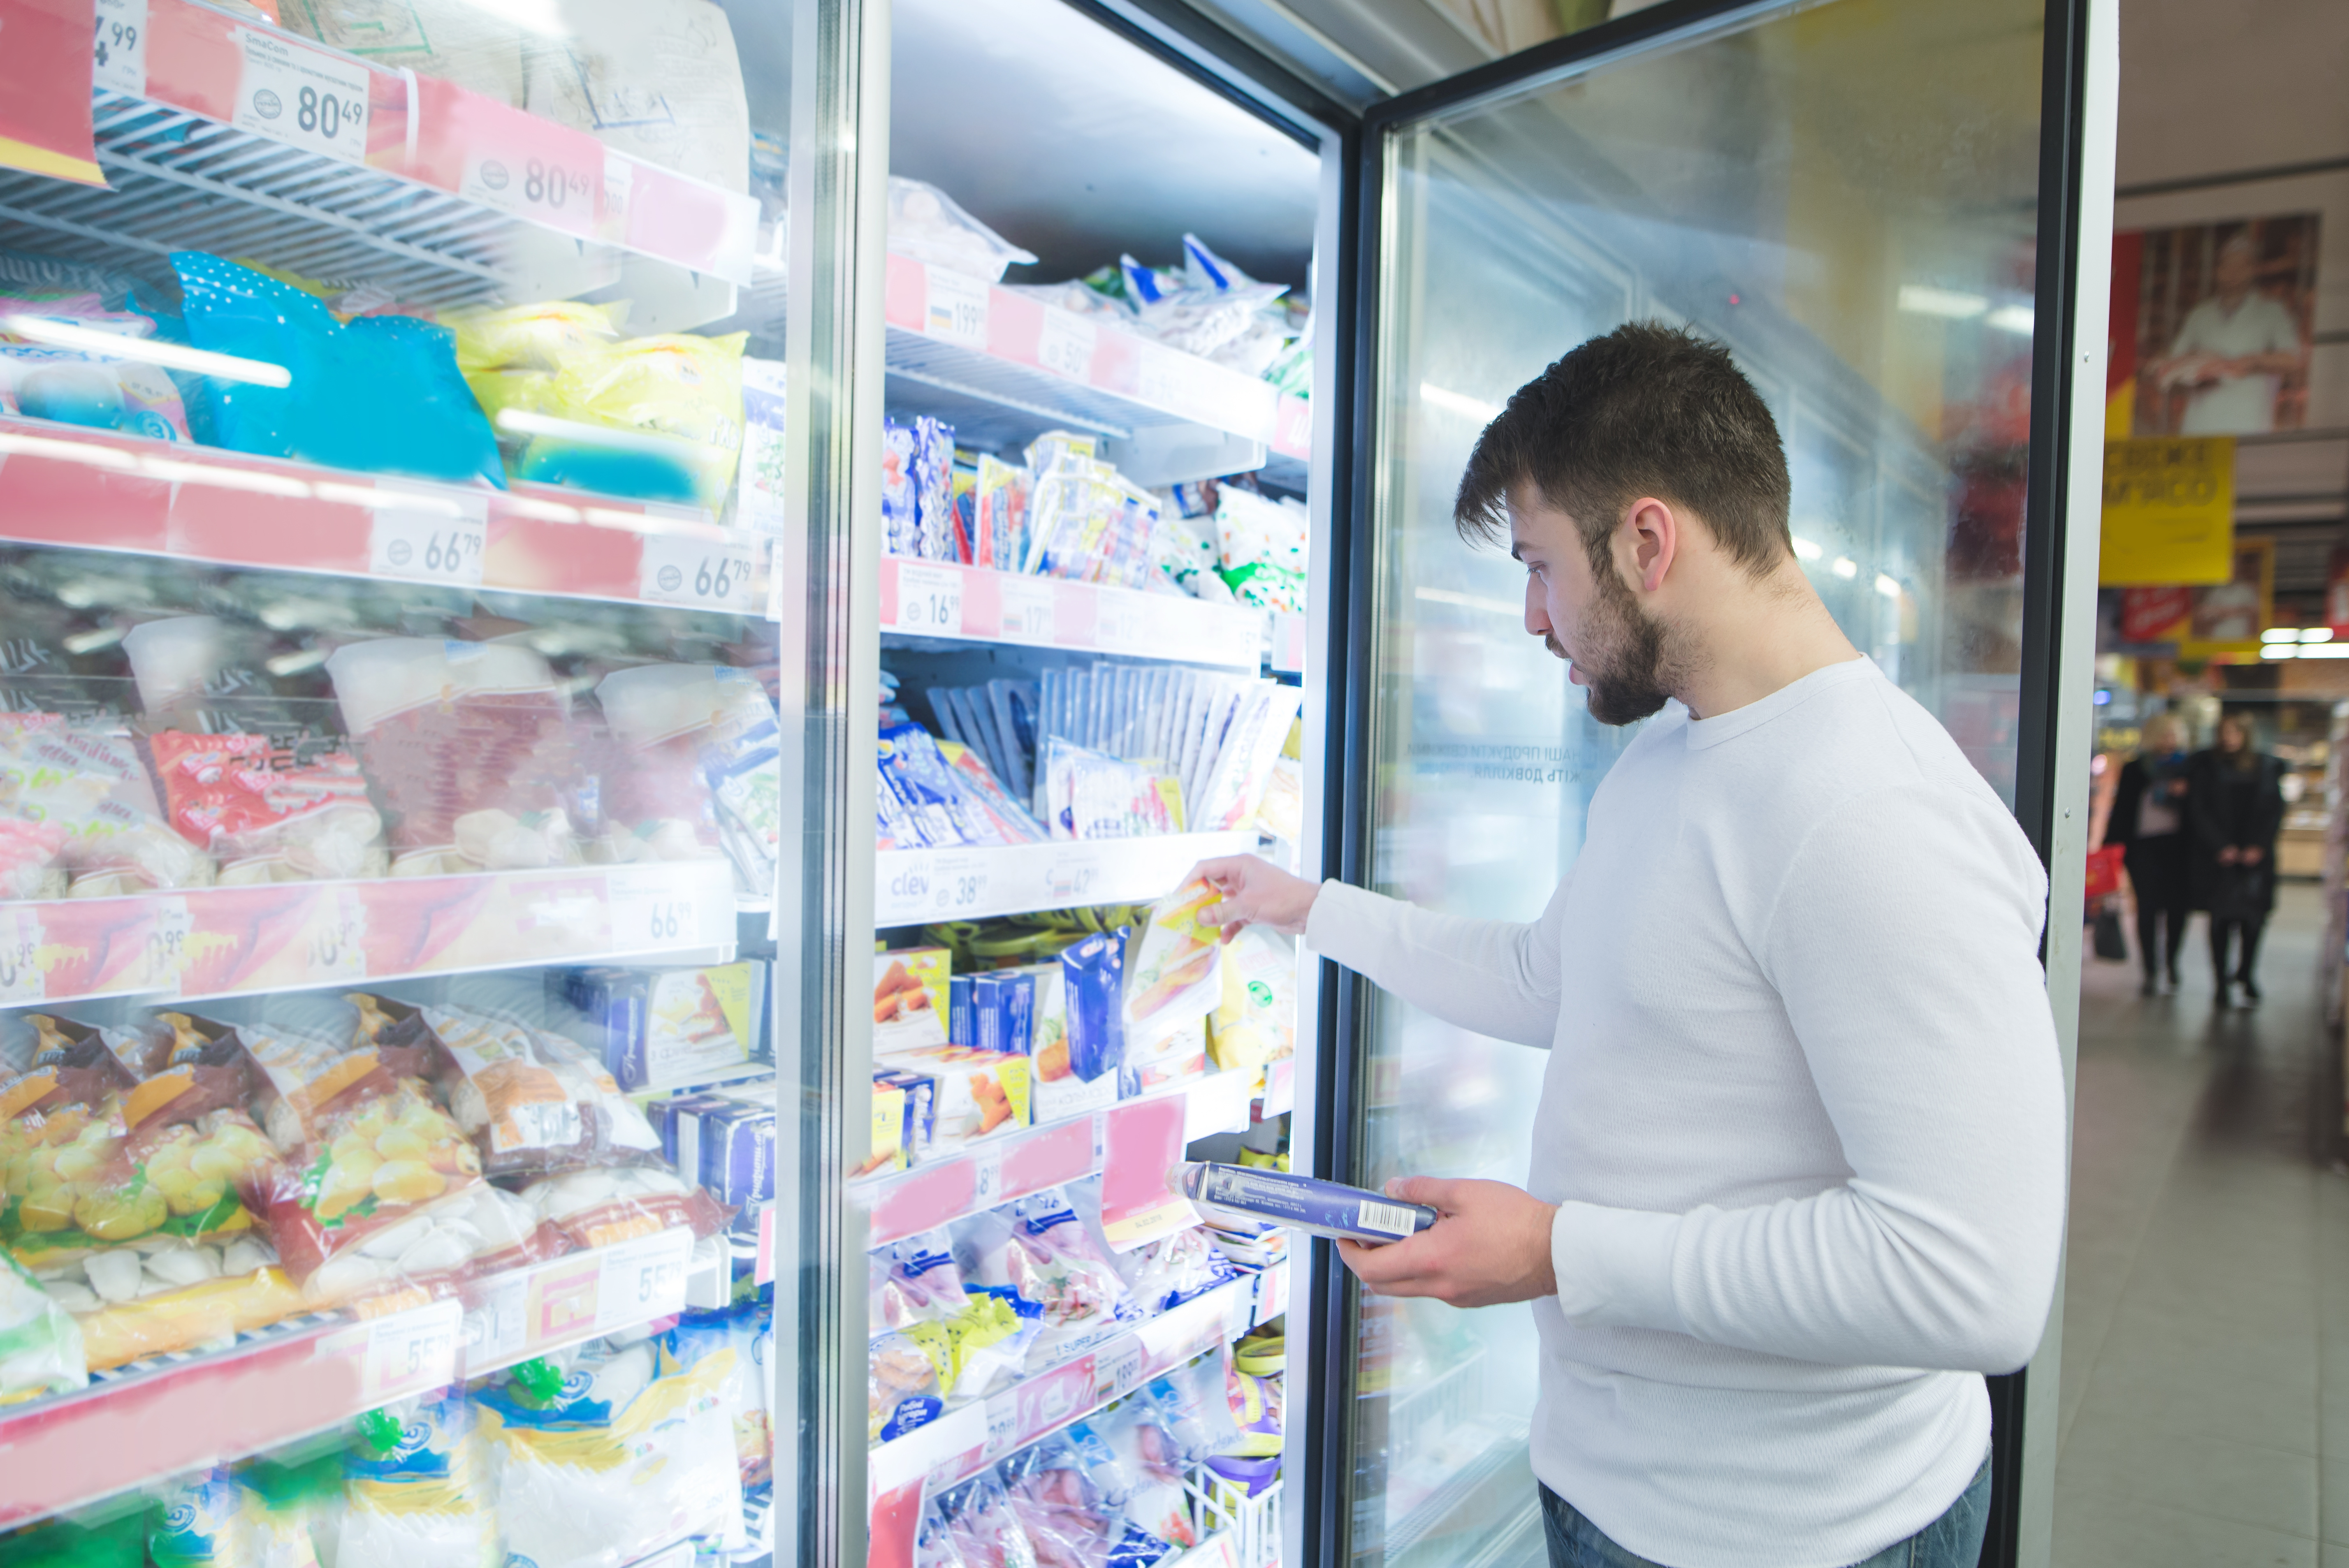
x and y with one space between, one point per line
1255 892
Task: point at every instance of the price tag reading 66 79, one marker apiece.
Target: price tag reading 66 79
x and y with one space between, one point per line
652 911
709 574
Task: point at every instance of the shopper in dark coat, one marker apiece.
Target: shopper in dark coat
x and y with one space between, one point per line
2149 823
2234 801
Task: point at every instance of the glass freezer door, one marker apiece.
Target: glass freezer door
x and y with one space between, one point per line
1847 194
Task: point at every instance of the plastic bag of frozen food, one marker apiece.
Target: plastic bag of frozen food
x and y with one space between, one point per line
703 770
44 380
685 391
631 1452
81 816
267 812
531 336
1165 1274
471 746
40 1344
1254 1020
656 79
531 1101
1089 794
378 394
129 1164
419 1490
982 1347
901 506
1232 789
1039 1247
1001 492
476 46
916 1281
903 1386
743 1395
926 225
596 1207
1174 967
1006 818
1151 1463
1067 1518
256 1516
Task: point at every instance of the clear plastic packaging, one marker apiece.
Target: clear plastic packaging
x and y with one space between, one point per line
597 1207
471 746
266 812
1065 1515
419 1490
701 774
926 225
981 1529
533 1101
1173 970
78 815
916 1281
682 391
1039 1248
77 387
903 1381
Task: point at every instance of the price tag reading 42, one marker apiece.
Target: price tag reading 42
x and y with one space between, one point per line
708 574
429 538
303 97
929 600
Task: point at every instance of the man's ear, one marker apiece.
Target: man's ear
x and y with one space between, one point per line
1652 532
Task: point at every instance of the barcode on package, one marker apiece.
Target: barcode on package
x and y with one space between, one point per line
1391 1219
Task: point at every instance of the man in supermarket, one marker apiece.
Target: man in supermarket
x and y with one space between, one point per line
1797 1174
2233 351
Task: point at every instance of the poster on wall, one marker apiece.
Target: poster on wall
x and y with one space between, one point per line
2220 621
2211 327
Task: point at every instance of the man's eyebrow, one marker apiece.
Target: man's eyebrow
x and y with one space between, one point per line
1516 551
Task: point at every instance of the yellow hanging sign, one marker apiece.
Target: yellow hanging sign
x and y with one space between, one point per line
2169 510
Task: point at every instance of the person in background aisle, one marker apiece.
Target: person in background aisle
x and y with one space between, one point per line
2234 802
1797 1172
2148 821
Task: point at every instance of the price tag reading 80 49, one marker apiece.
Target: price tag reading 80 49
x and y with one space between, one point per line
560 184
710 575
929 600
300 95
429 538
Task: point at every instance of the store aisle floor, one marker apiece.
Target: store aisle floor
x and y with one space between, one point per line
2205 1411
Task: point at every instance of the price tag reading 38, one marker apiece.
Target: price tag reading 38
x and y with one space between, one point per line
306 97
929 600
708 574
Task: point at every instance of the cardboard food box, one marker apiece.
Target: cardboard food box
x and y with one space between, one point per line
912 989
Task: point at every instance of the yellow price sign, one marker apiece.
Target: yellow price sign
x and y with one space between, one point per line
2170 511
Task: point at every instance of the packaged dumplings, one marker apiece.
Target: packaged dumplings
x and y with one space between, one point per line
531 1101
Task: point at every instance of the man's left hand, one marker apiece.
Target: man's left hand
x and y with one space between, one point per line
1491 1245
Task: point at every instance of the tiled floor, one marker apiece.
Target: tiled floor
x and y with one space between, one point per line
2205 1410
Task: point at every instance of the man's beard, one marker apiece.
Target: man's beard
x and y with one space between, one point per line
1623 655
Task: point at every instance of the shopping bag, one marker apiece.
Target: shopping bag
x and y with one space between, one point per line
2104 873
2110 945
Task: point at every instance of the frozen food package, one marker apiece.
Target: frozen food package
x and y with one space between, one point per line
1089 794
934 487
1067 1518
78 815
535 336
926 225
1302 1202
267 812
909 998
901 507
975 1095
1007 820
470 745
1174 967
1231 792
44 380
934 1545
130 1164
743 1395
420 1489
1165 1274
533 1101
656 80
377 394
1153 1464
1001 495
702 771
597 1207
40 1343
675 401
902 1383
476 46
916 1281
624 1457
1092 978
760 497
980 1526
665 1028
1254 1020
1039 1248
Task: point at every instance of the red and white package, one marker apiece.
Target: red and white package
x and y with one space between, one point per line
83 822
265 812
471 748
531 1101
596 1208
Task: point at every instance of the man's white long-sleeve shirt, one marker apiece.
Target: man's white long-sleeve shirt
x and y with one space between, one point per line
1802 1115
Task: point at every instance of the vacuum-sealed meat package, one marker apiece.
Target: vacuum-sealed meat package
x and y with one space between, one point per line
471 747
700 772
268 812
1042 1250
1067 1517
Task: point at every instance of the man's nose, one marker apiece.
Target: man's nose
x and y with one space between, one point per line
1536 611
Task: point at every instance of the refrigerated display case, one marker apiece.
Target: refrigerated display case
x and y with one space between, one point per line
1052 427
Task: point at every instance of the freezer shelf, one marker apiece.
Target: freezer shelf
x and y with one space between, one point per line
1000 367
435 192
173 1413
221 941
961 1443
98 489
937 600
940 1192
962 883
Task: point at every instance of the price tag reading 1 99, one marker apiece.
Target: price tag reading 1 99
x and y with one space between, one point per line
300 95
929 600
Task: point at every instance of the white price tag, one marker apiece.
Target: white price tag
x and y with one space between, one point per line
929 600
20 946
535 183
1121 622
905 892
1117 1370
412 1351
429 538
987 1184
167 943
306 98
1002 1423
642 1280
958 885
118 63
955 307
1065 347
619 186
1074 873
1027 608
497 1329
651 911
336 935
706 573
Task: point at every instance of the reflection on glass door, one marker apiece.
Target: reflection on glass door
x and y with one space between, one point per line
1845 194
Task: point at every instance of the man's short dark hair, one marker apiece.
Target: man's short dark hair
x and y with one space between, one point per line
1648 410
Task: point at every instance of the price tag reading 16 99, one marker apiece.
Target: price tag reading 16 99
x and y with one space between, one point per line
929 600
